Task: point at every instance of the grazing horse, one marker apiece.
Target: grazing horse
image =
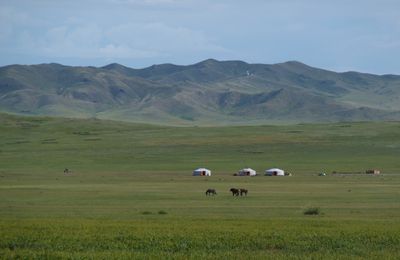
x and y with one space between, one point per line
211 192
235 192
243 192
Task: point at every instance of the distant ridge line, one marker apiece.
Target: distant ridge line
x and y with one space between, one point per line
209 92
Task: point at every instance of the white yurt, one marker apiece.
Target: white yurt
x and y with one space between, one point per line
202 172
275 172
247 172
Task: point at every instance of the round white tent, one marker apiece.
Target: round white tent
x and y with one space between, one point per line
275 172
247 172
202 172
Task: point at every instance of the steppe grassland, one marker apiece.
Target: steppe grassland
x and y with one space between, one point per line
124 175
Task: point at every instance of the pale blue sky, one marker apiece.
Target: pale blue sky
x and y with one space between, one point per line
337 35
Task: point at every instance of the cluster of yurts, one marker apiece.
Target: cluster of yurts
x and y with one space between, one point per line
243 172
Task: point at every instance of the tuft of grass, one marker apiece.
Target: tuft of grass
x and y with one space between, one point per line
162 212
312 211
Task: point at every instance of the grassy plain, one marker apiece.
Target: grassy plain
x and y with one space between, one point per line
131 193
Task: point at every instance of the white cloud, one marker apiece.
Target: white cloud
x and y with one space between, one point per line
162 37
118 51
133 40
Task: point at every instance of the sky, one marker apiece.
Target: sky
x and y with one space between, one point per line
340 35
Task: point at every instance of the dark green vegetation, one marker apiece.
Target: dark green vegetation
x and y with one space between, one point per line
209 92
312 211
162 238
130 193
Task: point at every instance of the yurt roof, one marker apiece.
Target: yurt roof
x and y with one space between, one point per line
247 169
274 170
201 169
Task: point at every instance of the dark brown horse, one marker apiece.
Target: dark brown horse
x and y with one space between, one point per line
243 192
210 192
235 192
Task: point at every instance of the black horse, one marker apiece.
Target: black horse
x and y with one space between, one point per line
243 192
210 192
235 192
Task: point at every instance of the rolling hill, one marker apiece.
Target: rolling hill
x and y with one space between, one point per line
210 92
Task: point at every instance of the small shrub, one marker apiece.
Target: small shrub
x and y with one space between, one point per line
162 212
312 211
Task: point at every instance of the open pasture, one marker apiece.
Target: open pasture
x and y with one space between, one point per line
130 193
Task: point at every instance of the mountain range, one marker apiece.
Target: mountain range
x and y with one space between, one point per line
210 92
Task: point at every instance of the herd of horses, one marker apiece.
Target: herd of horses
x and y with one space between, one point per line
235 192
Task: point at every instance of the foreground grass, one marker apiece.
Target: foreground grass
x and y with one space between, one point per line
164 239
131 193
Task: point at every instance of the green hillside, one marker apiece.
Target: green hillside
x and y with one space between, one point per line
208 93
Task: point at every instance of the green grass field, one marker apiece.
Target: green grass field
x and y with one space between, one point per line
131 194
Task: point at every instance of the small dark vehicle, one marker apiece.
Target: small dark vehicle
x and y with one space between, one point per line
210 192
